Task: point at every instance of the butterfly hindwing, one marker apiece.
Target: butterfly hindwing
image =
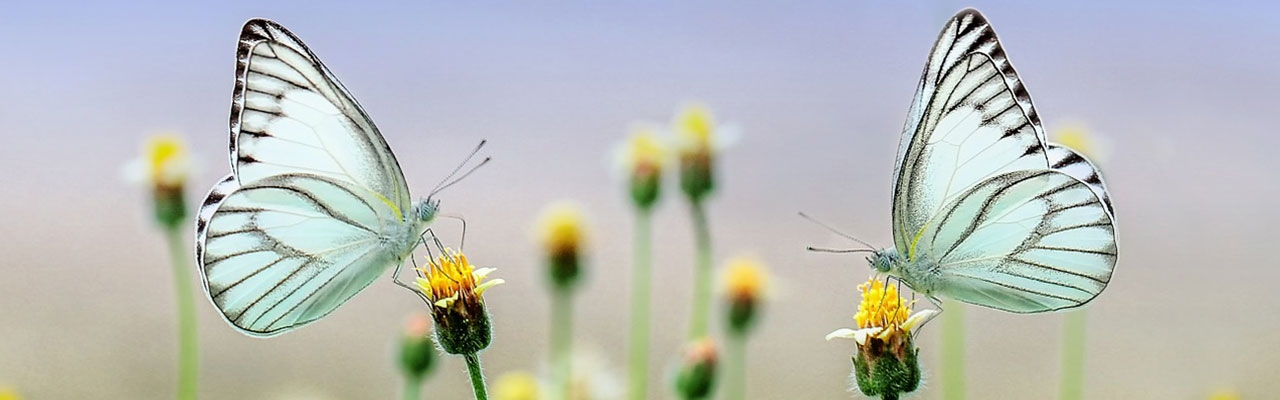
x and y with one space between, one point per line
1024 241
276 247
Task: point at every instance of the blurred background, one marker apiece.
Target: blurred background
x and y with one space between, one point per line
1183 95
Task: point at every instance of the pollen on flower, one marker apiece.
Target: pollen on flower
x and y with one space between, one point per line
881 306
745 279
561 228
451 277
166 161
645 152
695 125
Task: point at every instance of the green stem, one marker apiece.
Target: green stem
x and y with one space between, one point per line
477 376
737 373
640 287
412 388
561 339
1073 356
702 273
953 352
188 351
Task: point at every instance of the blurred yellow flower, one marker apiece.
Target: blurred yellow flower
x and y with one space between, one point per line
7 393
517 385
562 234
644 153
165 163
745 283
698 139
1225 395
1082 141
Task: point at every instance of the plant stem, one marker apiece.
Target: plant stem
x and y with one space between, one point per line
412 388
702 273
953 352
737 373
561 338
640 287
1073 356
188 351
477 376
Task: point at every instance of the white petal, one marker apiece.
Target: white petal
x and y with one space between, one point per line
919 318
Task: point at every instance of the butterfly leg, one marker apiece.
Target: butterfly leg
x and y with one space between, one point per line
395 277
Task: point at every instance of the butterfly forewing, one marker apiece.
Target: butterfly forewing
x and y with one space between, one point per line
290 114
1068 161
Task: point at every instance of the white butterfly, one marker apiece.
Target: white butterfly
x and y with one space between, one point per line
985 210
315 207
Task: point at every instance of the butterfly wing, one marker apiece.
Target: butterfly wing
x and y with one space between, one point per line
971 120
300 225
289 114
1064 159
286 250
1024 241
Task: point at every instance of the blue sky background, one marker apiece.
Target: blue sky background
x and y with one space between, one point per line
1183 93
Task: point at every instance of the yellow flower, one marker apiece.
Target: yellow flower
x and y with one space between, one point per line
886 361
454 288
698 138
1225 395
745 283
644 157
561 230
518 385
163 167
164 164
9 394
1082 141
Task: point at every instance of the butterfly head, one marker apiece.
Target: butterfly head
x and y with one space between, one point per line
426 209
884 260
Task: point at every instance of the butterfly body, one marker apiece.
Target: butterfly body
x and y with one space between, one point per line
315 208
985 209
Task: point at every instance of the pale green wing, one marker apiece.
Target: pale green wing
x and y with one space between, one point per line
286 250
971 120
1023 241
289 114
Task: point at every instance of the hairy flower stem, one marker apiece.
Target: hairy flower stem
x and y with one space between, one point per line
1073 356
736 379
702 272
640 287
953 352
477 376
561 339
188 350
412 388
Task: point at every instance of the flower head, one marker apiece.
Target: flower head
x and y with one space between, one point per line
886 361
417 353
745 283
698 138
454 287
164 167
696 378
561 231
1082 141
644 157
517 385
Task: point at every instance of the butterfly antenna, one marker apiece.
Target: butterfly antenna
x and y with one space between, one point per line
836 231
443 184
460 178
837 251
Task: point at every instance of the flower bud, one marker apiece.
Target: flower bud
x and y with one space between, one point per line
697 377
417 352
